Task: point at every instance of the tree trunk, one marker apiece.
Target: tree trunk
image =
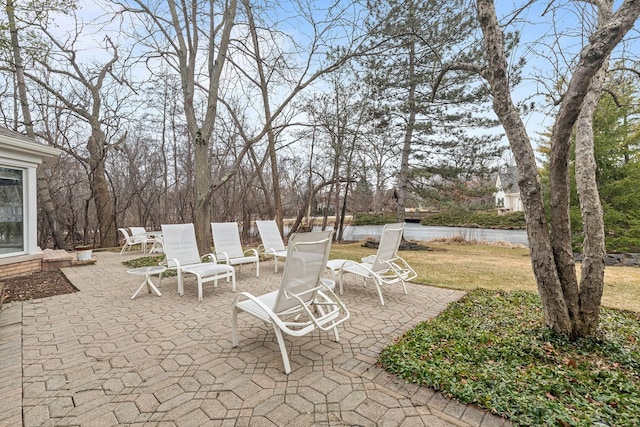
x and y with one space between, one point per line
551 253
592 279
100 191
202 184
264 90
408 136
544 268
44 195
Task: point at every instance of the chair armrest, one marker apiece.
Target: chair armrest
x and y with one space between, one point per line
252 251
169 261
223 255
211 256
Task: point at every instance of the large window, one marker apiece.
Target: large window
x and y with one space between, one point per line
11 211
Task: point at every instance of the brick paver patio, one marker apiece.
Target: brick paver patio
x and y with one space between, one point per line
98 358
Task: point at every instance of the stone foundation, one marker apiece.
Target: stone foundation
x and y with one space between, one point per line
20 265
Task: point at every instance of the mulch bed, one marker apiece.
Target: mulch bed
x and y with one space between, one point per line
39 284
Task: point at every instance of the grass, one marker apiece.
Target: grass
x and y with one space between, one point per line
496 267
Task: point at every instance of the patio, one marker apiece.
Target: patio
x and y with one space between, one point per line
98 358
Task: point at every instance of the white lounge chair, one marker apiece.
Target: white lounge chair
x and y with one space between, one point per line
272 243
304 302
181 250
386 267
127 240
139 236
130 240
228 249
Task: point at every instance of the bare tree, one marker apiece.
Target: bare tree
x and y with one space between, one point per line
86 91
42 183
569 308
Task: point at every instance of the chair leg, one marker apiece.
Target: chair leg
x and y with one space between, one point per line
379 288
234 327
180 284
275 260
283 350
335 333
199 287
404 287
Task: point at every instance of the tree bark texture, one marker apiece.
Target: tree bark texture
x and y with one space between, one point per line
551 253
100 190
592 279
556 313
186 42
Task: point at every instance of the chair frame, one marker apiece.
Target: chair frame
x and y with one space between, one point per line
228 248
272 243
190 261
296 313
139 236
386 267
129 241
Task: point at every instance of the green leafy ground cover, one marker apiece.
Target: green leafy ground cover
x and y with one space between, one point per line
492 348
149 261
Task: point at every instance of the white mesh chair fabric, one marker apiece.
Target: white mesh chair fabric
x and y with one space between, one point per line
304 302
228 249
385 268
181 251
272 243
139 236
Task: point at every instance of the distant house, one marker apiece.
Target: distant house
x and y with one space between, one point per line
19 160
507 191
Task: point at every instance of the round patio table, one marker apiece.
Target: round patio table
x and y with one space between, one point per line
148 272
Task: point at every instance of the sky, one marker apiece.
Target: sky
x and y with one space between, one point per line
534 23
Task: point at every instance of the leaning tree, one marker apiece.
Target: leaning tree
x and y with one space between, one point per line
570 306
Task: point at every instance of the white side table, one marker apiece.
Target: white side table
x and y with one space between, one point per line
148 272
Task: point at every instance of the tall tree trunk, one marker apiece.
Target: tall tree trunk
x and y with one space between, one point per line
202 184
100 191
44 195
271 138
408 136
551 256
544 268
592 279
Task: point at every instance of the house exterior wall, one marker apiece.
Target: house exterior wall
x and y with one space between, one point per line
19 153
507 201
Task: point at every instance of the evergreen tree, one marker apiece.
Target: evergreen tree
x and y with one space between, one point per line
437 118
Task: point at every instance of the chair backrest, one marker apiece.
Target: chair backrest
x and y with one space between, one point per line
270 235
389 243
226 238
138 234
125 233
180 243
307 255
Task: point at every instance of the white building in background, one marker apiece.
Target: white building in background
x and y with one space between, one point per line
507 191
19 160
